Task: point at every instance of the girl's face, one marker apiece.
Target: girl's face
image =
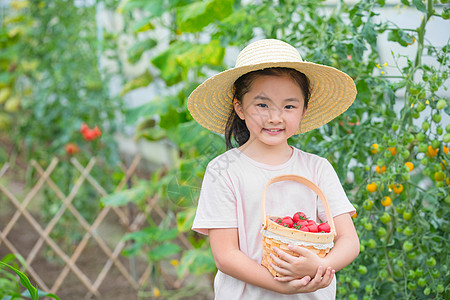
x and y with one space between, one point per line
272 109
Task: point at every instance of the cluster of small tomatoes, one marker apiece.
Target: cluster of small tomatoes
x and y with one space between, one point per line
301 222
89 134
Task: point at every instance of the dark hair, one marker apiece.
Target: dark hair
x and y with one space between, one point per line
235 126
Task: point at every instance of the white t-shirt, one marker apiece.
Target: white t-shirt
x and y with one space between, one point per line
230 197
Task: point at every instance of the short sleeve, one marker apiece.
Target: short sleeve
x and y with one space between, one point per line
331 186
217 202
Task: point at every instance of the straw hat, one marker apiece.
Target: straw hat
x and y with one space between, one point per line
332 91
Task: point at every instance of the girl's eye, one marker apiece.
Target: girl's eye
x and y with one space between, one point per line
289 106
261 105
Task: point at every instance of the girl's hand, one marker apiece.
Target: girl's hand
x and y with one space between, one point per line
305 284
306 264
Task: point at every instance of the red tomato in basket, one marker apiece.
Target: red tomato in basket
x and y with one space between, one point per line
311 222
313 228
287 222
304 228
278 221
302 223
299 216
325 227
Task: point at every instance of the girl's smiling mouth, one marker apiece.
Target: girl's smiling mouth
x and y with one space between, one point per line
273 130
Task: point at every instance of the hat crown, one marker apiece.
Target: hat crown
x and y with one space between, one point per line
267 51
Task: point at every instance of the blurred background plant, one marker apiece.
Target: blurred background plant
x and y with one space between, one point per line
52 82
390 148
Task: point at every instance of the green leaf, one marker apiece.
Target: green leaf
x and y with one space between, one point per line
165 235
45 294
11 256
166 62
135 195
341 50
172 118
155 7
205 142
369 33
152 234
179 191
40 294
194 17
142 25
364 93
158 106
24 281
132 4
197 262
177 3
420 5
180 57
164 250
144 235
401 37
151 134
132 249
136 51
138 82
358 48
197 55
185 219
6 78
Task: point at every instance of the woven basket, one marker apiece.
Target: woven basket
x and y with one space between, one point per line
279 236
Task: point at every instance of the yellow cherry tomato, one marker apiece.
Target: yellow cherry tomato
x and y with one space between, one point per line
386 201
374 148
432 152
439 176
372 187
410 165
156 292
380 170
392 150
397 188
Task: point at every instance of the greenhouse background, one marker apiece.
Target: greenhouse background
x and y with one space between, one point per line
101 163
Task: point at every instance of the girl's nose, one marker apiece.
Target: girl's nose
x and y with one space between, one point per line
275 115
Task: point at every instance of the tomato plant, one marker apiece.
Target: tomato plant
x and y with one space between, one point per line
51 81
390 149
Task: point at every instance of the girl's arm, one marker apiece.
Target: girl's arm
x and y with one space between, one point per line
233 262
345 250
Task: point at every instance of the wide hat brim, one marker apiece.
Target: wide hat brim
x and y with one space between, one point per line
332 92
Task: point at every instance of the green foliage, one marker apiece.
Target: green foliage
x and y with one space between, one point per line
136 195
9 288
397 119
51 82
156 239
197 262
195 16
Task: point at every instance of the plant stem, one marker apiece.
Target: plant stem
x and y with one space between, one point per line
421 33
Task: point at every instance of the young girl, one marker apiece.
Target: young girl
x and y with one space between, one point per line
268 97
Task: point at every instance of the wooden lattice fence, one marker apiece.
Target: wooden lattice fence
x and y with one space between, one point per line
130 222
